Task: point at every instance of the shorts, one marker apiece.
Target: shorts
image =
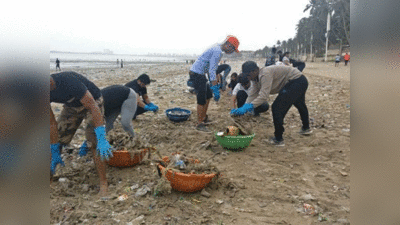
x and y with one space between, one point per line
71 118
201 87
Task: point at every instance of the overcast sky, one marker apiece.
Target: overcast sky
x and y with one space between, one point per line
174 26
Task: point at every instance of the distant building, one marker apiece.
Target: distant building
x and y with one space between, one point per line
108 51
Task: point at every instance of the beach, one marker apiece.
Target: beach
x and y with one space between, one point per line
262 184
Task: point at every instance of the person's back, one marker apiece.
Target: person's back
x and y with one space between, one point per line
209 57
114 96
71 87
119 100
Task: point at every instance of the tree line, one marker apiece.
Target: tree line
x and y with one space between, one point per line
311 31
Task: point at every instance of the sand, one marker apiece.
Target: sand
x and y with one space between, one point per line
261 185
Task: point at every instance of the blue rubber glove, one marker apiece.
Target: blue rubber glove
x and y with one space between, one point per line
55 157
215 90
148 107
237 112
154 105
248 107
104 149
83 149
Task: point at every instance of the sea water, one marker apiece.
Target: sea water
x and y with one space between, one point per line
90 60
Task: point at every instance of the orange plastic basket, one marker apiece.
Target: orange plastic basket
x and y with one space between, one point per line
122 158
186 182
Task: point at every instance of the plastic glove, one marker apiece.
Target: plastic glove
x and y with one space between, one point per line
154 105
83 149
215 90
248 107
148 107
236 112
55 157
104 149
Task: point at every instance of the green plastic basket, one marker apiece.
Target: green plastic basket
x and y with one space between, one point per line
234 142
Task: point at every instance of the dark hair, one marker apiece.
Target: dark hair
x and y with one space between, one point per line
144 78
234 75
243 79
248 67
273 50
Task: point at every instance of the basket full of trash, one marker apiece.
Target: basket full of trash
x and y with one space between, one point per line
233 138
187 174
125 158
178 114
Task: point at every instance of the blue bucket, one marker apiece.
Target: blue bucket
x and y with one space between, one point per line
178 114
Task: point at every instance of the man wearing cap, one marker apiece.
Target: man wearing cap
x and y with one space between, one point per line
210 59
139 86
290 85
82 99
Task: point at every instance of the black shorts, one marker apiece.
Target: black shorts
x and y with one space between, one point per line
201 87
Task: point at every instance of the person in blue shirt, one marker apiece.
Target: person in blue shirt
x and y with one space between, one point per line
209 59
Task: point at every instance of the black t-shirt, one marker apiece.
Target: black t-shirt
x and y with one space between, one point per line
136 87
71 87
233 84
114 96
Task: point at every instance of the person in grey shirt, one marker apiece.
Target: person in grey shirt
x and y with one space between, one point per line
290 85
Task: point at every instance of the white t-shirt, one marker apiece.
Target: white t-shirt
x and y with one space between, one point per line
250 91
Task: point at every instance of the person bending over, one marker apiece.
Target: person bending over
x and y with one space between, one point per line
139 86
290 85
82 99
209 59
118 99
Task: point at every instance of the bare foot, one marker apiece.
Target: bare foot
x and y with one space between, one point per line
103 190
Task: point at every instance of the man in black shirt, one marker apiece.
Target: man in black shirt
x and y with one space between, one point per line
82 100
139 86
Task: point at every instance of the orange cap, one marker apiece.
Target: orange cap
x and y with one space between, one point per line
234 41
